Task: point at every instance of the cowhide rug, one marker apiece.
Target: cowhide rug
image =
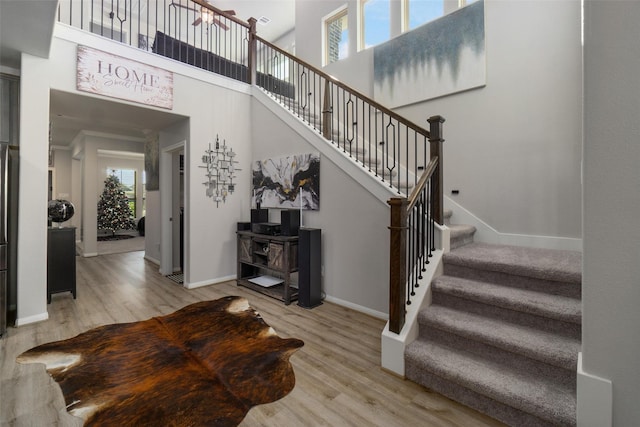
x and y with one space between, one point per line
204 365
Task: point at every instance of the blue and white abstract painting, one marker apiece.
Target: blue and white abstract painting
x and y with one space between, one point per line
441 57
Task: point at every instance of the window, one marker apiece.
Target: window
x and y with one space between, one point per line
418 12
336 30
127 178
375 22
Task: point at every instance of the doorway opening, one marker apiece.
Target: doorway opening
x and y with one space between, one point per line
172 208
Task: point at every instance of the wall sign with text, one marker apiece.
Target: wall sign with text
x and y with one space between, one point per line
110 75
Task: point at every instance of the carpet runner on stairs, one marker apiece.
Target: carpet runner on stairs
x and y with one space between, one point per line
502 333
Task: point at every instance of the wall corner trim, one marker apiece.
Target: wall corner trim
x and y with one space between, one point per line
594 399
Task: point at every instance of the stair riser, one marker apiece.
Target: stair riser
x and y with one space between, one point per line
562 376
554 288
567 310
457 242
565 329
477 401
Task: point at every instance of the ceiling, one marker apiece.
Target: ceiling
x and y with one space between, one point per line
71 113
27 26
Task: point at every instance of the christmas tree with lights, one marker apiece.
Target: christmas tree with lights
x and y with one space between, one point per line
113 207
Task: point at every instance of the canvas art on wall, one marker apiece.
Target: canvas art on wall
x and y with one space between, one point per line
291 182
442 57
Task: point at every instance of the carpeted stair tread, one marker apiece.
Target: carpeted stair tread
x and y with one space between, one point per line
546 264
538 345
512 386
556 307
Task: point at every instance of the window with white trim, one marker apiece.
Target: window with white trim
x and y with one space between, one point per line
336 36
418 12
375 22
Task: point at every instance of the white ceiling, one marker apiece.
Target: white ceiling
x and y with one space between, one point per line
27 26
71 113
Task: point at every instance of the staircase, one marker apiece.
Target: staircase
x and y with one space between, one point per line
369 153
502 333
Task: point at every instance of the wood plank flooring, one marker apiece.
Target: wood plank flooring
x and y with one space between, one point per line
338 377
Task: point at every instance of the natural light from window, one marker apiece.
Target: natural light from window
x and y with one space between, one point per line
375 22
418 12
127 178
336 30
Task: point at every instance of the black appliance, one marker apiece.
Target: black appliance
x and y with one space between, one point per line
270 228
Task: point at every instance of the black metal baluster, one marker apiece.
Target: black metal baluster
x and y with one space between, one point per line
409 254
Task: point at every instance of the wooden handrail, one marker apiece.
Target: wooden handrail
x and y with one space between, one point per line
347 88
422 182
401 210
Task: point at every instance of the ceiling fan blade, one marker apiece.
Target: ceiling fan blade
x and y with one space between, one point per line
217 22
197 21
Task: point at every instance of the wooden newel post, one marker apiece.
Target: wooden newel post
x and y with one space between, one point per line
398 263
326 110
435 149
253 49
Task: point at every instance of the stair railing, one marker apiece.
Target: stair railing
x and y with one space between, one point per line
391 147
412 230
190 31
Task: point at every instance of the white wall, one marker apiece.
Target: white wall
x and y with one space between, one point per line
512 148
354 221
611 289
215 105
62 174
34 167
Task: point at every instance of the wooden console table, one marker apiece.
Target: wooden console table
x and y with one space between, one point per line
262 255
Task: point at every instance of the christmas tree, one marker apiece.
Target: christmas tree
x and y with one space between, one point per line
113 207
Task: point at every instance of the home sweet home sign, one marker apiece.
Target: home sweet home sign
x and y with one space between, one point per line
117 77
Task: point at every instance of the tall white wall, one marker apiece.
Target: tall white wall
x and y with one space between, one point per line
215 105
513 147
355 237
611 289
32 208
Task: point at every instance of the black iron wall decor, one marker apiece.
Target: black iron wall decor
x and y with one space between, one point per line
220 165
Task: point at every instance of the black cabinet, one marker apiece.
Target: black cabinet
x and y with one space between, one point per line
61 261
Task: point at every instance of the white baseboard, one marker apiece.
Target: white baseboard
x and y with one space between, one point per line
21 321
151 259
356 307
594 399
89 254
194 285
487 234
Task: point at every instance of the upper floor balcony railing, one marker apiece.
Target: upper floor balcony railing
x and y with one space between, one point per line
190 31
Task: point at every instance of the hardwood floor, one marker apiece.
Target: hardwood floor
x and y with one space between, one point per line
338 377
